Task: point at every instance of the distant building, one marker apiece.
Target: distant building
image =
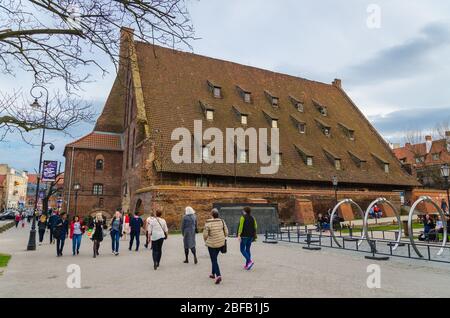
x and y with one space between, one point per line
55 200
424 160
14 187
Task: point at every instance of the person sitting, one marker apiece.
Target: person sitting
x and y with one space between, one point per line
323 223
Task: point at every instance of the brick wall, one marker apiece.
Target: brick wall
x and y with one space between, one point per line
173 200
85 173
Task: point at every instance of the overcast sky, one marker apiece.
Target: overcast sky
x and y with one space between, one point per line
396 69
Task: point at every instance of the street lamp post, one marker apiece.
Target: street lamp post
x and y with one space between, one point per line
335 187
445 171
32 239
76 188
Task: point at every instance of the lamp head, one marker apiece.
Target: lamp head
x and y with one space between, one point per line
35 104
445 170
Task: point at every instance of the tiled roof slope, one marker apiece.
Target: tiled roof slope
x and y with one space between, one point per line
98 141
174 82
111 118
410 152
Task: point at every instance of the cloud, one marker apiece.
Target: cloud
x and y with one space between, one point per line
404 60
394 125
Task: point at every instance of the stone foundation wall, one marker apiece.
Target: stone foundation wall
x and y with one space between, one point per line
172 201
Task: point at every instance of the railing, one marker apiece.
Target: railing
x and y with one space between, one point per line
381 246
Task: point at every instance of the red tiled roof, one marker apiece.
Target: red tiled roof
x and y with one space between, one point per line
99 141
410 152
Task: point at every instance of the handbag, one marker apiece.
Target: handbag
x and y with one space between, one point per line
223 249
165 233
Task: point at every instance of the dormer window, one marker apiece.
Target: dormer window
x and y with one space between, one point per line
301 125
349 132
298 104
381 162
208 110
215 89
436 156
334 159
245 94
242 156
210 115
321 108
271 118
306 156
274 101
274 123
358 160
242 114
326 129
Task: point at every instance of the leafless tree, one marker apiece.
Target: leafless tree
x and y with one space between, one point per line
441 128
64 40
64 112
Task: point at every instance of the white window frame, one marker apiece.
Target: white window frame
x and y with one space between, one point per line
302 128
309 161
274 123
209 114
247 97
244 119
217 92
338 164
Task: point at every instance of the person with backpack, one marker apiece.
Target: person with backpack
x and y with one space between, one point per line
116 232
42 226
136 224
158 232
97 226
76 233
246 235
188 231
60 233
215 235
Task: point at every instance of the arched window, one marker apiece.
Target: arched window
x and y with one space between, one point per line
99 164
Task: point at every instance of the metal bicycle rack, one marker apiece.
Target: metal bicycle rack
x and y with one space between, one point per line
410 224
397 214
333 213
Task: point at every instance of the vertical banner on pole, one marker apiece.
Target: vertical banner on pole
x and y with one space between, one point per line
49 171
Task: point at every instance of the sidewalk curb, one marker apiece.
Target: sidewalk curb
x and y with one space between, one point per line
6 227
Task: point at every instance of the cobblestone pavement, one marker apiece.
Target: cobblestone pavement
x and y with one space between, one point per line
281 270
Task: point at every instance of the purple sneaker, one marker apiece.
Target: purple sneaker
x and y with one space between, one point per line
250 265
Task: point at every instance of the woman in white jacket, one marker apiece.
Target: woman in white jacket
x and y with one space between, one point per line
157 232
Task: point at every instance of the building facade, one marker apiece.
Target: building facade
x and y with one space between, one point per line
94 163
56 189
14 187
424 160
322 135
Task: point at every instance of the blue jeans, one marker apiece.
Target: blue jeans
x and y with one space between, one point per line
115 238
246 243
213 254
76 242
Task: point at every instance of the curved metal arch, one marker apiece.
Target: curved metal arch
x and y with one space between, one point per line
333 213
397 214
410 224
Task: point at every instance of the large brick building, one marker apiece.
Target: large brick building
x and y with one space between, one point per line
322 134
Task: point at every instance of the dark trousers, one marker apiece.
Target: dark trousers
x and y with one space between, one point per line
60 245
41 235
157 250
246 243
213 254
115 238
134 235
17 223
51 235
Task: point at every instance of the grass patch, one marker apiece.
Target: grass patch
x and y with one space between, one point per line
382 228
4 259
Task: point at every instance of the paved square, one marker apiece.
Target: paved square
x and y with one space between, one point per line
281 270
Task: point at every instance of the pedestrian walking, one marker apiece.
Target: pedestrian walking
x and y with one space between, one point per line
188 230
215 234
126 225
42 226
116 232
22 217
136 224
51 224
76 233
97 226
444 207
158 232
17 218
247 235
60 233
